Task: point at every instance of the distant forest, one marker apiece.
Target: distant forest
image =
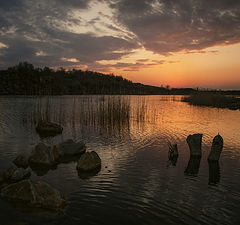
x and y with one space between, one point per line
24 79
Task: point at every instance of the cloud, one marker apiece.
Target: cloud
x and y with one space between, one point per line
88 31
200 52
74 60
140 64
74 3
40 33
166 26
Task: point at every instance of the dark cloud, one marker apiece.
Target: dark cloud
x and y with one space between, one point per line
40 32
200 52
84 47
36 33
140 64
74 3
10 4
165 26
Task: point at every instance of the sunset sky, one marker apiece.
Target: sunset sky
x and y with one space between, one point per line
181 43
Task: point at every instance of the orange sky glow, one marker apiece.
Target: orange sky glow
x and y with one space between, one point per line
209 68
154 42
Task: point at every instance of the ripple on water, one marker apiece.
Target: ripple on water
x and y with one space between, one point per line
136 185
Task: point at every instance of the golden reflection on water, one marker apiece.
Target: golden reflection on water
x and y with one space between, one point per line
138 117
131 134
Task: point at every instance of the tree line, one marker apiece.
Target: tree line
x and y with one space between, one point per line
24 79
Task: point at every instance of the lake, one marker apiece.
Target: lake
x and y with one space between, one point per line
137 183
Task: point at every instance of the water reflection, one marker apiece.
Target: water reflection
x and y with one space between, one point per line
129 134
107 114
214 172
88 175
193 166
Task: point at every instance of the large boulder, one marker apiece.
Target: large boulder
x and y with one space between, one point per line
195 144
21 161
70 148
88 162
9 172
14 174
34 194
20 174
45 128
42 156
216 149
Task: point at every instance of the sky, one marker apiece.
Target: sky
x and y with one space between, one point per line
181 43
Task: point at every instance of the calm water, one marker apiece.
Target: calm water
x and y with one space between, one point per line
139 185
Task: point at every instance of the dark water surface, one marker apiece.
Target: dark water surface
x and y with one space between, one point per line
131 134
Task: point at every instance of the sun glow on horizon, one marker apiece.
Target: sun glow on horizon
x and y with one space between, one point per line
217 66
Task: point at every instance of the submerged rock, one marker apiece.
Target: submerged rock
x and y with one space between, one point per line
42 156
70 148
46 129
216 148
89 162
21 161
20 174
35 194
195 144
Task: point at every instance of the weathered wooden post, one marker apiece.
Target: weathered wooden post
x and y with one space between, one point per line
216 148
214 172
173 150
195 144
173 153
193 166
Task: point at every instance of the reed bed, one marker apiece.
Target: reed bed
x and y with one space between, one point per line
213 100
106 112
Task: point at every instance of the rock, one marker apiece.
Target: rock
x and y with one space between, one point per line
46 129
216 148
21 161
195 144
69 148
89 161
54 153
35 194
2 178
42 156
9 172
20 174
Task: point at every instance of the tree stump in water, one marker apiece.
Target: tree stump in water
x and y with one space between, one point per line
216 148
195 144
